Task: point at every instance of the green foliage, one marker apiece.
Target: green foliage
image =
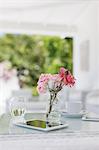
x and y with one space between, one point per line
36 55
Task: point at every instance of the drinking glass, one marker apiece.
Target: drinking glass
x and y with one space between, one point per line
17 109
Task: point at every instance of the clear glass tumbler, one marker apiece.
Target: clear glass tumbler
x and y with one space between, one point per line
17 109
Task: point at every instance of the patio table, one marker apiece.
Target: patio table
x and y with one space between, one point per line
82 134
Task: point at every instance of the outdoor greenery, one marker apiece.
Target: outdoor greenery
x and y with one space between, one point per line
32 55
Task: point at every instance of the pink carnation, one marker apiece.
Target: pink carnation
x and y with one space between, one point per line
66 77
43 82
56 81
56 77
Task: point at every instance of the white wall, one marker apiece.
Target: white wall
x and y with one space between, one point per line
87 24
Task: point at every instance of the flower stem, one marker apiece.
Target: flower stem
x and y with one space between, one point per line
52 99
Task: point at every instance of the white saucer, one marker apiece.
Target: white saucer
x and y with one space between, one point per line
91 116
90 119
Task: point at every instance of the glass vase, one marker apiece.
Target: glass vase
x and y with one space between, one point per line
53 115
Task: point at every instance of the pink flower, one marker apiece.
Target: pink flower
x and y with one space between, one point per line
6 72
69 80
55 81
62 72
41 89
66 77
55 77
43 82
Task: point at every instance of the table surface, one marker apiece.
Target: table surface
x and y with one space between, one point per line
76 126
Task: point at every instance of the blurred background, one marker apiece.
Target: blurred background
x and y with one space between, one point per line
40 36
32 55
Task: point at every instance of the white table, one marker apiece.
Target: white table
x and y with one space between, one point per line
80 135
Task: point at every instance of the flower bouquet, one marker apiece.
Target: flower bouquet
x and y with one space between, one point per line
54 83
